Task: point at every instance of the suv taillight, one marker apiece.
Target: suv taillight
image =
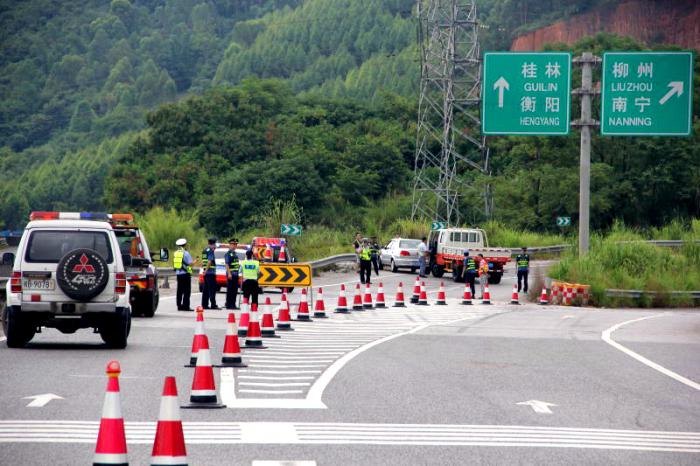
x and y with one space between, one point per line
16 282
120 283
404 253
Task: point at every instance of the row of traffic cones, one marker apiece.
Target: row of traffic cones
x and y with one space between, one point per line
169 443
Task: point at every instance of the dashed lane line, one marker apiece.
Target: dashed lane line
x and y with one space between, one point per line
607 338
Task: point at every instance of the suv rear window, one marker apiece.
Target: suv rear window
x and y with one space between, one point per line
409 243
50 246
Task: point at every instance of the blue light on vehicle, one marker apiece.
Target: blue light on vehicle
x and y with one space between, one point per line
490 265
93 216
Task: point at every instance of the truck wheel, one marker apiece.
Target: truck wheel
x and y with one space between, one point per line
18 333
457 275
145 304
394 269
114 332
495 279
438 271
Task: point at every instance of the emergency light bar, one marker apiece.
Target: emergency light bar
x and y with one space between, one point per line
125 218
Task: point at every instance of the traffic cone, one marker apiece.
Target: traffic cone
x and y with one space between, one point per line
342 306
441 300
423 297
203 393
283 255
254 337
367 304
379 302
416 291
198 333
467 297
486 298
303 309
543 297
283 319
399 301
320 306
169 445
357 301
268 323
231 356
111 440
245 318
514 295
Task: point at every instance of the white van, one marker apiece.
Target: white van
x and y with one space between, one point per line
68 274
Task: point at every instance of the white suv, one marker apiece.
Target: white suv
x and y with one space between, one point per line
68 274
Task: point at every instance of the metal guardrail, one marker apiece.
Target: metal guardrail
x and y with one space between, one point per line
326 261
615 293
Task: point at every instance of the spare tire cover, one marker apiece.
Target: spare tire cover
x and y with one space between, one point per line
82 274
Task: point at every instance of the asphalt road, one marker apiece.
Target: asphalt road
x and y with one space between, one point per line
453 384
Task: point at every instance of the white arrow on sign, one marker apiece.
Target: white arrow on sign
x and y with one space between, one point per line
676 88
501 84
538 406
39 401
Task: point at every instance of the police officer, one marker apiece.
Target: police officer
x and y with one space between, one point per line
232 265
182 263
209 265
365 263
374 254
470 272
250 269
523 263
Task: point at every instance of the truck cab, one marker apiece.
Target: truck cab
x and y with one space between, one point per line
447 248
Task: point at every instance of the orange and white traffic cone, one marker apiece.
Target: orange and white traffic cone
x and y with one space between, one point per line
514 298
380 302
400 300
467 297
203 393
303 309
231 356
111 440
342 306
486 298
441 299
357 301
283 255
169 445
245 318
319 305
254 337
367 303
283 318
198 333
268 322
416 291
423 297
543 297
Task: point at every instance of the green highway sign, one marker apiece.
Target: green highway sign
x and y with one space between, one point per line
438 225
647 94
526 93
563 221
290 230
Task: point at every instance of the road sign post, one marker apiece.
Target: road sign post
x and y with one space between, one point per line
647 94
290 230
526 93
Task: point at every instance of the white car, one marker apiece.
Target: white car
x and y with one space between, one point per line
400 253
68 274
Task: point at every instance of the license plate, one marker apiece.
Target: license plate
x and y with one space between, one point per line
37 284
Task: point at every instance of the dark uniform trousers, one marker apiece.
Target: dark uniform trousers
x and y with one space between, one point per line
184 289
365 271
231 291
522 277
209 291
470 278
250 291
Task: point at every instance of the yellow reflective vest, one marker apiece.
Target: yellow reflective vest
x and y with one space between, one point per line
250 269
178 261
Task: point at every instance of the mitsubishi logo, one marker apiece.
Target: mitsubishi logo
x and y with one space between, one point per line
83 266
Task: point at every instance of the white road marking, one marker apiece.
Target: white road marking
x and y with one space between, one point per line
268 392
283 463
3 338
541 407
309 433
227 386
266 384
255 371
607 338
39 401
262 377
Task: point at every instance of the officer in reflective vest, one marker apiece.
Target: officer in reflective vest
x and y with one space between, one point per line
209 265
522 261
470 272
182 263
374 253
365 263
232 265
250 269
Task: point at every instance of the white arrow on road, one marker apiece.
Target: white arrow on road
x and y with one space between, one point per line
538 406
39 401
676 88
501 84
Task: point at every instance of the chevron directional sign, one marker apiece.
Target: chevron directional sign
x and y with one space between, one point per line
438 225
563 221
285 275
290 230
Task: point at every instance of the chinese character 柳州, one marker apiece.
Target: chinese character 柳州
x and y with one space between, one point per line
620 69
645 69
